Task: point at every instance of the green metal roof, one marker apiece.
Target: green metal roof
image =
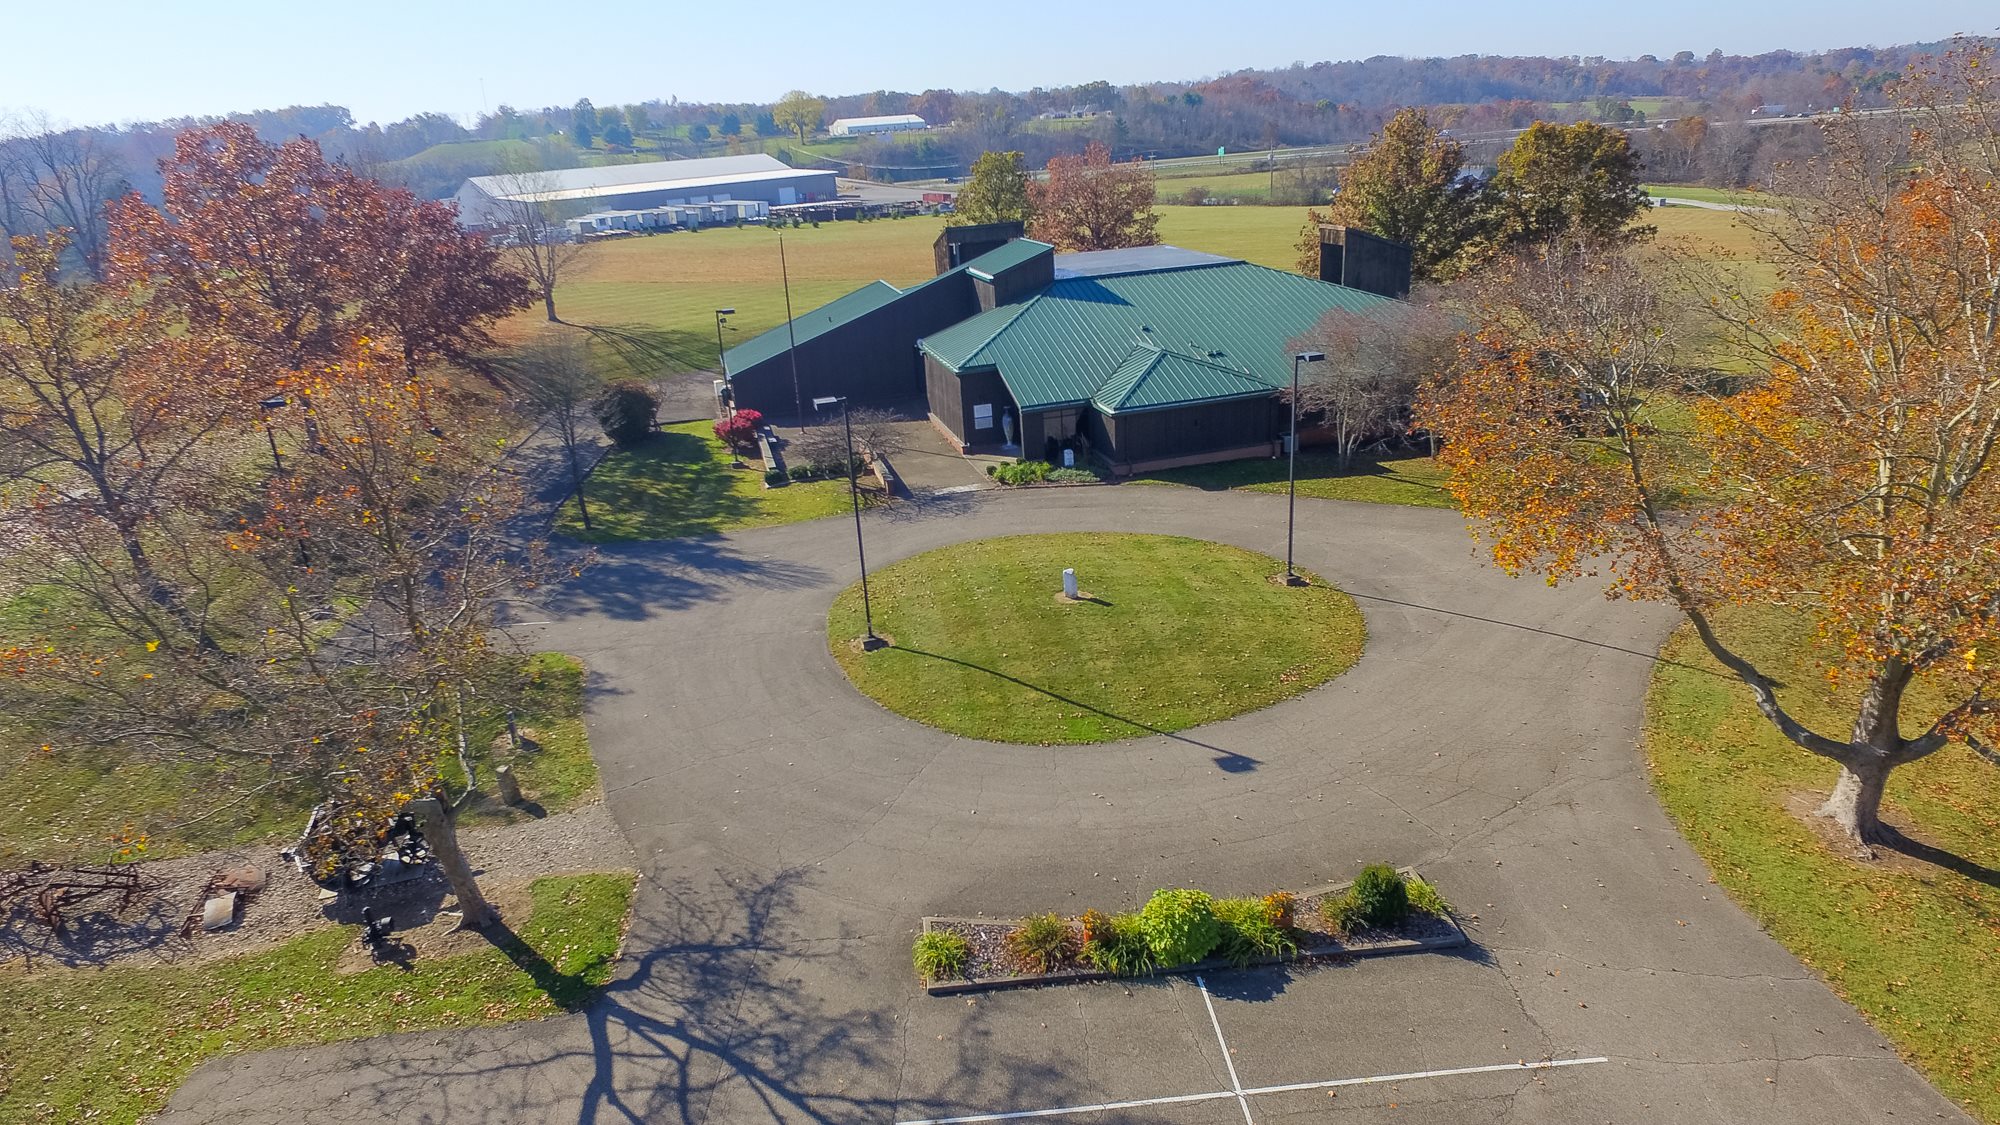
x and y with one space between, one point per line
1015 253
1155 378
805 326
1065 344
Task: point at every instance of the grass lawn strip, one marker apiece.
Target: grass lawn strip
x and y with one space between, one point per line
1913 944
81 807
113 1044
680 483
1414 481
1174 633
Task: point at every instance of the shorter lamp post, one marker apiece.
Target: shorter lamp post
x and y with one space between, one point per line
869 641
720 315
1292 499
275 402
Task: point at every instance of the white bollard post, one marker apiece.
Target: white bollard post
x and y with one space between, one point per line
1069 583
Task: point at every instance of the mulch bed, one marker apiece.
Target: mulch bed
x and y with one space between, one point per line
992 966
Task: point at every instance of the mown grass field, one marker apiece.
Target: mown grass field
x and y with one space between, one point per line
1413 480
112 1044
649 302
1912 941
79 806
1182 632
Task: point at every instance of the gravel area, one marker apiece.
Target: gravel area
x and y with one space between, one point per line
289 904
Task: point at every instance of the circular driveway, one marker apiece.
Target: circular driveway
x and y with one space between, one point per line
791 834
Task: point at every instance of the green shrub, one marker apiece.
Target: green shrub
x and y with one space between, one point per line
939 954
1426 898
1180 926
1022 472
804 472
1072 476
1118 946
774 476
1381 894
1249 931
626 410
1341 913
1041 943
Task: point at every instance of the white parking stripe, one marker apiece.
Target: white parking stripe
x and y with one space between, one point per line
1546 1064
1235 1083
1097 1108
1243 1095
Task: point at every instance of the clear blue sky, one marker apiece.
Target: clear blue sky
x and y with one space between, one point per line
125 60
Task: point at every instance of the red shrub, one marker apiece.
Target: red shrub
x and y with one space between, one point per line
739 430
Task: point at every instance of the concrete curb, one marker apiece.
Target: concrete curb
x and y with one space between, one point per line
1334 949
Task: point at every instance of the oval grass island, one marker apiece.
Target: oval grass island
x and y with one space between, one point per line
1168 633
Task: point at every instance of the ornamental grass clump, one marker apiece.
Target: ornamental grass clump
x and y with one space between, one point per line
1180 926
1425 898
1250 931
939 954
1042 943
1116 944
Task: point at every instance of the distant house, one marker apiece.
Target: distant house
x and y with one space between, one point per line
859 126
1144 358
489 200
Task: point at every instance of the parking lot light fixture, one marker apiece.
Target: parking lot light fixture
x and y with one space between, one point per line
869 641
1292 497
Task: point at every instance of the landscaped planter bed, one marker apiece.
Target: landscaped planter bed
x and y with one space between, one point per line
992 965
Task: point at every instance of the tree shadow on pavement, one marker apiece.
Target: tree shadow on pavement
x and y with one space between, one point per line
669 576
715 1021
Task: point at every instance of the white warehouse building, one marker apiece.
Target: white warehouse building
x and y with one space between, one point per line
858 126
494 200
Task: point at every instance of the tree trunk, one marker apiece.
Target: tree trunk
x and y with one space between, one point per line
1856 805
576 478
435 824
549 304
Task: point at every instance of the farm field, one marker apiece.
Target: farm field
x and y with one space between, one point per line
650 301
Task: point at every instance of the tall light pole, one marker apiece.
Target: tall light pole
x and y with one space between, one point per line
869 642
719 360
1292 497
791 335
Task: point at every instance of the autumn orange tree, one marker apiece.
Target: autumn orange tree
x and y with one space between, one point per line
1854 483
1088 203
104 419
331 621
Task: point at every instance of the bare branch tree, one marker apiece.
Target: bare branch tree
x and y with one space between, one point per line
531 204
559 386
1375 363
69 176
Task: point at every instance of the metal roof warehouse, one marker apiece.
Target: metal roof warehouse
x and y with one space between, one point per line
1146 357
492 200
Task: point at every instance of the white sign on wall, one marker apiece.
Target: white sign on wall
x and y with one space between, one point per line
982 416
